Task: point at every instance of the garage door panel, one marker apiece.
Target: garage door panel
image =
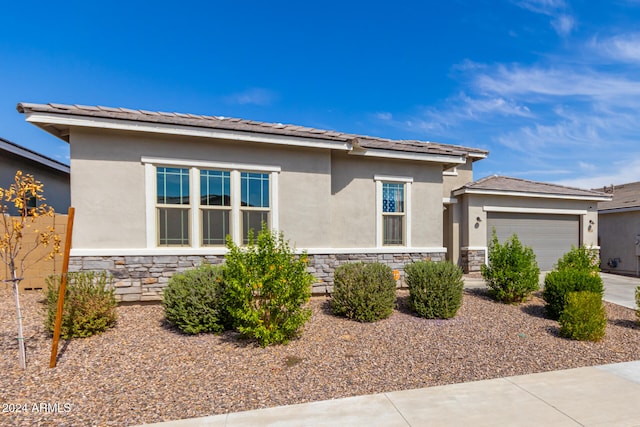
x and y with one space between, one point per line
550 236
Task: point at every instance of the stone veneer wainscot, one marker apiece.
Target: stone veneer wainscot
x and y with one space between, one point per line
142 278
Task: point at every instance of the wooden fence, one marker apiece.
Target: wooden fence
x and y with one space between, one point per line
37 269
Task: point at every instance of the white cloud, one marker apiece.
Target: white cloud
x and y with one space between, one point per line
622 173
255 96
561 21
516 80
384 116
623 47
563 24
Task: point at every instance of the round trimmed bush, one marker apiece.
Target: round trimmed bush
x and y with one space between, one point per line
364 291
435 289
558 283
584 318
193 300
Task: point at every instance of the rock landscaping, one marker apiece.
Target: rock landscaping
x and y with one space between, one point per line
143 371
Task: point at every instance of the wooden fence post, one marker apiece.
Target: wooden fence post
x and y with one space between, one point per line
62 290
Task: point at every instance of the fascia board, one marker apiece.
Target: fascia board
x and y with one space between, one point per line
174 129
619 210
530 195
423 157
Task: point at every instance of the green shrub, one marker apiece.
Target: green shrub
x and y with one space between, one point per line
193 300
435 289
89 304
580 258
584 317
513 273
267 287
638 303
363 291
558 283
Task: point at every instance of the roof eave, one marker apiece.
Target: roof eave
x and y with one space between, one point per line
619 210
445 159
59 125
490 192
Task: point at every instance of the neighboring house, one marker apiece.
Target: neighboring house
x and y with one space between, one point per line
619 225
55 177
549 218
157 192
52 173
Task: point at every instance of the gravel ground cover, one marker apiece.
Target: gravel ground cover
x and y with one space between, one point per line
143 371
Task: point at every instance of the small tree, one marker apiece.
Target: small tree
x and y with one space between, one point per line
25 195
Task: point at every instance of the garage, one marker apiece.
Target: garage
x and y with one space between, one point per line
547 217
550 236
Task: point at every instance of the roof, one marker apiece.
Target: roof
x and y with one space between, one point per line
18 150
625 196
504 185
355 142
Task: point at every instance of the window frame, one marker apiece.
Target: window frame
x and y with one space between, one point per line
195 226
380 214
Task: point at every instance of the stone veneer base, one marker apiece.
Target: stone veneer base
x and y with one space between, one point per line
472 260
142 278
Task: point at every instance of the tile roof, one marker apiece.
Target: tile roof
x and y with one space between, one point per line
624 196
508 184
241 125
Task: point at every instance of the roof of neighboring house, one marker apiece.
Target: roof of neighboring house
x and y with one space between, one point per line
13 148
505 185
240 125
625 196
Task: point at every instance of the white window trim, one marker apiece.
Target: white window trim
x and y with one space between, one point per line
407 181
150 164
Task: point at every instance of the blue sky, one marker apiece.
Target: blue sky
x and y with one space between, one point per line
550 87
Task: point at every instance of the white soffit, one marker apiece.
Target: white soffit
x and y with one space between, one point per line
403 155
530 195
174 129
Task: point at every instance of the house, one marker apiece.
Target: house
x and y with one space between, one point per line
52 173
55 177
157 193
619 225
547 217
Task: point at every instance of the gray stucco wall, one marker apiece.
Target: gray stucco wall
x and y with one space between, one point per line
617 233
108 189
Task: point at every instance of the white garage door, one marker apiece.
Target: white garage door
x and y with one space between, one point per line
550 236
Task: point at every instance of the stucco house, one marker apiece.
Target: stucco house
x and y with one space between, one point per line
52 173
619 235
158 192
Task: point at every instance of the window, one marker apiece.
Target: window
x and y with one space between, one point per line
393 211
198 204
255 202
173 206
215 206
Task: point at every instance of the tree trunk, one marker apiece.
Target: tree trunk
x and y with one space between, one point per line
21 351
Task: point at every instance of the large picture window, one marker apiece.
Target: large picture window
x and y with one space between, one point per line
198 204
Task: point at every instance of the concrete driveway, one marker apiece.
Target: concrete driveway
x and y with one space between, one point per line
617 289
620 289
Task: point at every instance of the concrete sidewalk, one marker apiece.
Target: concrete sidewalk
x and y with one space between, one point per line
607 395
